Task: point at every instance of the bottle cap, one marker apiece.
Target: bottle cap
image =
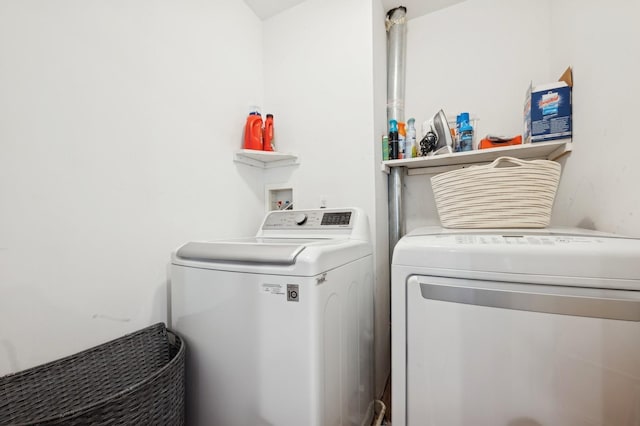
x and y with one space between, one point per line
393 125
254 109
411 121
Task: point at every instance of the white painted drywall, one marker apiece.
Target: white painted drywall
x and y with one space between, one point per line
599 184
495 48
118 123
477 56
265 9
319 84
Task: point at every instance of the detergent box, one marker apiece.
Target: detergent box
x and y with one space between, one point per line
547 110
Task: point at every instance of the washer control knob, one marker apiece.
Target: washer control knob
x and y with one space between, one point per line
300 218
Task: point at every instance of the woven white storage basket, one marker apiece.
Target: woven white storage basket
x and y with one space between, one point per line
508 193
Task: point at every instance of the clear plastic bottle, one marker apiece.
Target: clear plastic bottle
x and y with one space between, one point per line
411 144
456 134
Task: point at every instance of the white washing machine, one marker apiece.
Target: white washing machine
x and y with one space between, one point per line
515 327
279 327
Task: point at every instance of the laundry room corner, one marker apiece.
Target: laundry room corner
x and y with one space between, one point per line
118 124
326 87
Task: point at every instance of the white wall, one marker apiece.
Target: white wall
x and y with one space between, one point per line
599 185
501 46
319 84
477 56
117 125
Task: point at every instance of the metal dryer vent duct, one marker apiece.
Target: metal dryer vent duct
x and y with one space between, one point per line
396 24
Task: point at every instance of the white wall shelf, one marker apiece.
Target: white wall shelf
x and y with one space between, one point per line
265 159
440 163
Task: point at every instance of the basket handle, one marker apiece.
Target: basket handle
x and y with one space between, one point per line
512 160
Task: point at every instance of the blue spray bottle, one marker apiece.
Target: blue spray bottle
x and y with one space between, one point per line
393 140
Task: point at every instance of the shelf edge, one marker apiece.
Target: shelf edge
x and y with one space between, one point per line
272 159
238 158
422 166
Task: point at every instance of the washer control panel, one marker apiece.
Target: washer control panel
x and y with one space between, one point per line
310 219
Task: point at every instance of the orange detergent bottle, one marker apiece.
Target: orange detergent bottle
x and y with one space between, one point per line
268 134
253 132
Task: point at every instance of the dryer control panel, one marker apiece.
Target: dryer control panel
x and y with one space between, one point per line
519 240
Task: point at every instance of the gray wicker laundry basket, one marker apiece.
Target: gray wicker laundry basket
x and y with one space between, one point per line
137 379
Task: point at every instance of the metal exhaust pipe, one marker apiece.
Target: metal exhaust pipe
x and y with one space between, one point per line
396 24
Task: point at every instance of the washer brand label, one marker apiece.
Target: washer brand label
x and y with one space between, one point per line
293 294
272 289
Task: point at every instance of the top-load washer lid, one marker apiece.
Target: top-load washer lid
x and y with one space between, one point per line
557 256
292 242
275 251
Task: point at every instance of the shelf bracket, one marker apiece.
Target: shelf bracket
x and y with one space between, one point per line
560 152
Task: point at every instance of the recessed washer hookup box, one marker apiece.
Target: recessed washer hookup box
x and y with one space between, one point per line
548 111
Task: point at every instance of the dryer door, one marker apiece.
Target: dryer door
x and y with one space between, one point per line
489 353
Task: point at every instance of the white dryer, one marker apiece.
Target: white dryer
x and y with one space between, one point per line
515 327
279 326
